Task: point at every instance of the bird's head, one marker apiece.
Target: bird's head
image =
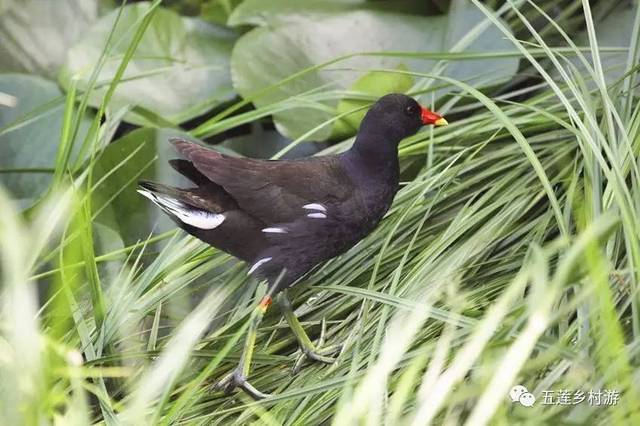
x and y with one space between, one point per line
399 116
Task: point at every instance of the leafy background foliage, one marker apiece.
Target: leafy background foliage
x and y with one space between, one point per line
509 256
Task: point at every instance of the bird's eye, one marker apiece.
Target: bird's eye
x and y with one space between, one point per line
411 110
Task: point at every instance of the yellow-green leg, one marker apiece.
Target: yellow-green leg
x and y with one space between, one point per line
238 377
307 348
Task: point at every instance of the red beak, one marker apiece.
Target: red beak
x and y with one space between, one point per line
431 118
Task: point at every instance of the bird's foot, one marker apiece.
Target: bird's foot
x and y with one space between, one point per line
236 379
317 352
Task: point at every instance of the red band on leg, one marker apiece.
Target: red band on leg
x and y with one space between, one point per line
265 303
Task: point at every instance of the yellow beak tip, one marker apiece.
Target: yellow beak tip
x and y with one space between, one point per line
441 122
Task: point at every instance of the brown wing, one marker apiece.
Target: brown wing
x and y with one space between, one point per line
273 191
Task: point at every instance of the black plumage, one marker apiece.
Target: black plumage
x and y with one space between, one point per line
285 217
291 215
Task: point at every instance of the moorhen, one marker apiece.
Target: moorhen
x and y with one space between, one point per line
284 217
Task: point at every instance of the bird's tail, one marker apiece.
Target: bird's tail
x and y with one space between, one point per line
176 203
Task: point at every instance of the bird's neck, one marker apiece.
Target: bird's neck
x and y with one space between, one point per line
374 157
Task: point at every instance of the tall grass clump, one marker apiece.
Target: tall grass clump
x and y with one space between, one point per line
510 256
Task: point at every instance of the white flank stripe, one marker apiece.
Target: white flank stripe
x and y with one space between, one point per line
317 215
274 230
258 264
315 206
197 218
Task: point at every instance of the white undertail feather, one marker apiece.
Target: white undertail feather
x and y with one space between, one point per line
315 206
274 230
258 264
198 218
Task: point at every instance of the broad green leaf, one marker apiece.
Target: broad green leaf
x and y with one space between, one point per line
218 11
375 84
302 40
35 35
28 153
179 71
260 13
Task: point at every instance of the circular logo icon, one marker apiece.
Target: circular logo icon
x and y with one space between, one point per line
516 392
527 399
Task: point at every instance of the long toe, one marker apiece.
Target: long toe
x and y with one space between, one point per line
330 350
236 379
318 355
253 392
322 355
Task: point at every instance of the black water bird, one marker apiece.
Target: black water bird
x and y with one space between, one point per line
283 217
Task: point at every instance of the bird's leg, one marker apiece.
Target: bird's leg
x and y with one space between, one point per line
308 349
238 377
